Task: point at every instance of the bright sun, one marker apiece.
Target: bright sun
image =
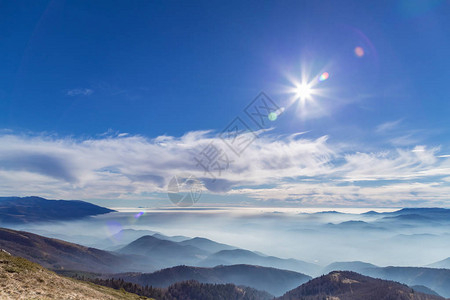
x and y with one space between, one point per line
307 93
303 91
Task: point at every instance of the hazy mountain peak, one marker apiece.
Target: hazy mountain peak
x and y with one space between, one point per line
355 266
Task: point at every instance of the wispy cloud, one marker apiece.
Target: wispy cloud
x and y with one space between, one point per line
79 92
288 169
387 126
404 140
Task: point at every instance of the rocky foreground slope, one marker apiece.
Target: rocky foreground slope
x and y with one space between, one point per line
22 279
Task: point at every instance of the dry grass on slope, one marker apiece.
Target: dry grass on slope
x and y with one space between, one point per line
22 279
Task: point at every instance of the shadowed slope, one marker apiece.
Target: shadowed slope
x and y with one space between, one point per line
345 285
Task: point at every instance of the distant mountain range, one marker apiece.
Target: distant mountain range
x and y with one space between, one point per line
240 256
111 243
272 280
148 254
355 266
205 244
63 256
418 215
36 209
430 211
24 279
164 253
144 242
436 279
443 264
344 285
203 252
60 255
374 222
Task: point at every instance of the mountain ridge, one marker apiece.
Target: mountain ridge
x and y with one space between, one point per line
15 210
346 285
274 281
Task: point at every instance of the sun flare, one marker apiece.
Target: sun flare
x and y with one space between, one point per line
303 91
308 93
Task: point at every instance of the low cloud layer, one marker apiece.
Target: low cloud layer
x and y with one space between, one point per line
284 170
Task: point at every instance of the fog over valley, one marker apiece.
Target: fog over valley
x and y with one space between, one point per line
383 239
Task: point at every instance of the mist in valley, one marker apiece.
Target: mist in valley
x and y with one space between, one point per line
320 238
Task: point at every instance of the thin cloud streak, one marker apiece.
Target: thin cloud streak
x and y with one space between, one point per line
79 92
387 126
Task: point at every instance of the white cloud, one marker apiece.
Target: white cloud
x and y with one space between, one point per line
288 168
330 194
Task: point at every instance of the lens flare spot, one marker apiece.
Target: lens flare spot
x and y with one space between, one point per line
113 228
272 116
139 214
324 76
359 51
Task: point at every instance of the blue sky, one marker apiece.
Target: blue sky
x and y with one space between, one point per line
85 74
